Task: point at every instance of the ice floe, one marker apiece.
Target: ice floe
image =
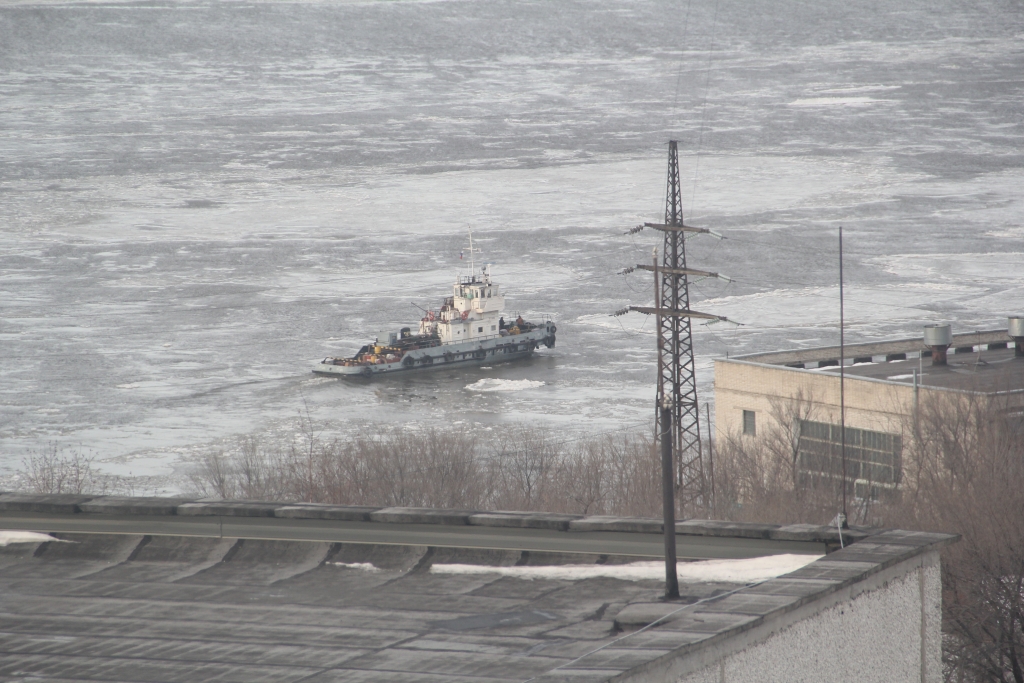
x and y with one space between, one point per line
489 384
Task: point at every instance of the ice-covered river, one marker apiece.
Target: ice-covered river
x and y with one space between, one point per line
200 199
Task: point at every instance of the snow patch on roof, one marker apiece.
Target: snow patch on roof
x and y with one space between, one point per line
365 566
731 571
8 537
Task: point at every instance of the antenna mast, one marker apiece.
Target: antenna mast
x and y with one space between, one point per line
472 257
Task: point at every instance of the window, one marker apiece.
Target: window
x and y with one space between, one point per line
873 459
750 423
479 329
492 328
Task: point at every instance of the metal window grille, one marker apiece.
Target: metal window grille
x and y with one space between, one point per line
873 459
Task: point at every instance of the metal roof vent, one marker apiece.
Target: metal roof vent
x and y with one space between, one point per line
1016 332
938 338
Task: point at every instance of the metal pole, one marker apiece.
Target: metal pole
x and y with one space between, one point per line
668 502
711 463
659 391
842 374
667 486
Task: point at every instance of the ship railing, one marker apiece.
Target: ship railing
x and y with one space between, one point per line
488 337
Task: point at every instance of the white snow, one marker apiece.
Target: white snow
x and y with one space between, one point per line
504 384
735 571
8 537
365 566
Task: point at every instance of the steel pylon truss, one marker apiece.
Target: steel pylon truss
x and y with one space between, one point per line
677 382
677 385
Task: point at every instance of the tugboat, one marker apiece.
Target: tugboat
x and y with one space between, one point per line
468 328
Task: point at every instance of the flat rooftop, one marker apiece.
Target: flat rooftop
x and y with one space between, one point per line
984 371
127 589
982 361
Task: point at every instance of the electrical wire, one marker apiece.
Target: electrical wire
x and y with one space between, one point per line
679 72
704 108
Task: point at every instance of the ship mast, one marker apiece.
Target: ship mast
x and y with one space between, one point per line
472 258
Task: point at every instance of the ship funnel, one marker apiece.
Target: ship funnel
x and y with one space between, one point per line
938 338
1016 332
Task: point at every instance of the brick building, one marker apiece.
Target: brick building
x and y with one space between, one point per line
798 392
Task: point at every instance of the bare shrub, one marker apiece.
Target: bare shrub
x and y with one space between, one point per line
631 475
429 468
61 470
211 478
56 471
520 468
580 478
253 473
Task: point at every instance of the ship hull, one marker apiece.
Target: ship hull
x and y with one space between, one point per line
494 350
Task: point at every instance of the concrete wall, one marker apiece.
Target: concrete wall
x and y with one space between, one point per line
885 629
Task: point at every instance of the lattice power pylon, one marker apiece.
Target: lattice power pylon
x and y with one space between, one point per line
676 376
677 383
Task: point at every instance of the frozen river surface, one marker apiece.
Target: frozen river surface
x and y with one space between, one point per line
200 199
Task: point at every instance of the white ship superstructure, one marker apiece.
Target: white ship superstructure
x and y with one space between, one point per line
469 327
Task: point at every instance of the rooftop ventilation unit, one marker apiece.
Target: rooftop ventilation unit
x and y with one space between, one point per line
938 338
1016 332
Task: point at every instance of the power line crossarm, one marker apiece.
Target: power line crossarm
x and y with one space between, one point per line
676 312
664 227
683 271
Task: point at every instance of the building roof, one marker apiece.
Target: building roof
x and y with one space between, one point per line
981 371
914 345
175 590
980 362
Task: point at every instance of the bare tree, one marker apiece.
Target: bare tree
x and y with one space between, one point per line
968 458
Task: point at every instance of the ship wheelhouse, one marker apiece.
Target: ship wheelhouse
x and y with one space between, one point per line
473 312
